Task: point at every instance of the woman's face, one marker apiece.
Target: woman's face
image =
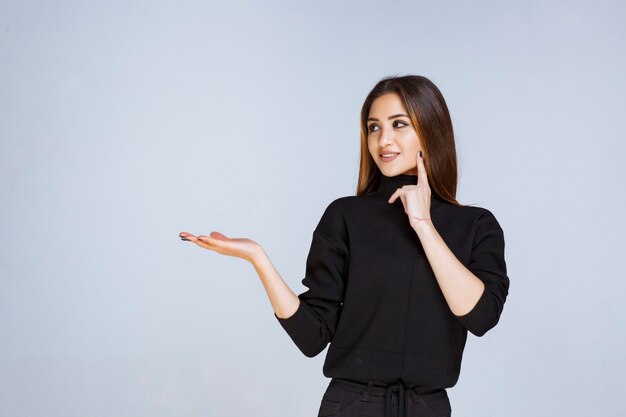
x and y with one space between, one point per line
390 131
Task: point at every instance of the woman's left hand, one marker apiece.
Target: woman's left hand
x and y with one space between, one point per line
415 198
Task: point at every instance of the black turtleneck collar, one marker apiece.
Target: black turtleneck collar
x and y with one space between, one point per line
388 185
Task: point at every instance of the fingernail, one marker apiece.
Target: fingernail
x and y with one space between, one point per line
183 238
420 154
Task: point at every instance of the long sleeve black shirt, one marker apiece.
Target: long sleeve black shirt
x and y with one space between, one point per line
373 295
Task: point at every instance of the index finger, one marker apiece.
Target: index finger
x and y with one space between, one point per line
422 177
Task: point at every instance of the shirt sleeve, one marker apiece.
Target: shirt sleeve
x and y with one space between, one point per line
487 263
313 324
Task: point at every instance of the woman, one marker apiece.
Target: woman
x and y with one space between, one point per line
396 274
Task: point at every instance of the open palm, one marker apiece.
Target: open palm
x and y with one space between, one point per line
240 247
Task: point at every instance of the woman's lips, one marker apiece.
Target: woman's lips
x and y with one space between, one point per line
389 158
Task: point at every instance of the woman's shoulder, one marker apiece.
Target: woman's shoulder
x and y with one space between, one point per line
341 203
481 216
343 209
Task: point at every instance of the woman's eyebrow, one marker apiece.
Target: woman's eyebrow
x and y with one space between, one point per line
388 118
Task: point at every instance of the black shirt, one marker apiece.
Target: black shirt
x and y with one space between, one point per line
373 295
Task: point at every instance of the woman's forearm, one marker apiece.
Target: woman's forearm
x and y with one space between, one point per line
284 301
460 287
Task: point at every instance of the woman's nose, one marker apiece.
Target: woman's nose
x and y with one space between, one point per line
386 136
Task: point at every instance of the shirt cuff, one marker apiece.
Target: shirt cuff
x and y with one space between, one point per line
476 320
297 321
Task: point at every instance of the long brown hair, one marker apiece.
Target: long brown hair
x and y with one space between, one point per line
431 119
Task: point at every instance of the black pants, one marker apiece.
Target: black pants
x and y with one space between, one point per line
346 398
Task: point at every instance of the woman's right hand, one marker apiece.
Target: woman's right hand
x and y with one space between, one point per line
239 247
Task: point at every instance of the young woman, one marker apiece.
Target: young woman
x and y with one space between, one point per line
396 274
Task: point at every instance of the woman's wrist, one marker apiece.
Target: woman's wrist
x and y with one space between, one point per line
258 256
422 225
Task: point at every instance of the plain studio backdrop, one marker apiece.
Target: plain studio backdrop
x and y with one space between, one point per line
125 123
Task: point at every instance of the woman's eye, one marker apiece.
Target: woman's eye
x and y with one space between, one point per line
402 124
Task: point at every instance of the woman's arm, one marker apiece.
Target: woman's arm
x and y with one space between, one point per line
310 318
461 288
284 301
476 293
